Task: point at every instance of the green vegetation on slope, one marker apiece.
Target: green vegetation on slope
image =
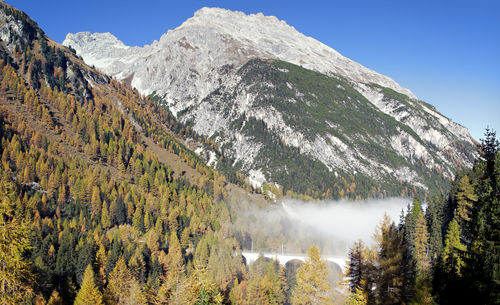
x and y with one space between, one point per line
449 255
317 105
88 212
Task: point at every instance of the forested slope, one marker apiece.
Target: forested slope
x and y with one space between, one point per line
448 253
87 209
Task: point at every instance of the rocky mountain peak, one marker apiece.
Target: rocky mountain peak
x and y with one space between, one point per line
229 20
102 39
236 37
268 94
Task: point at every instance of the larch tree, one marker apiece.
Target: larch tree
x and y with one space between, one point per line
453 247
138 219
15 275
88 294
390 270
356 297
170 289
105 219
119 284
204 287
256 293
465 200
421 244
422 291
136 295
95 201
55 299
312 280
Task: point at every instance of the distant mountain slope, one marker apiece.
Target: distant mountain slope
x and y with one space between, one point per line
286 108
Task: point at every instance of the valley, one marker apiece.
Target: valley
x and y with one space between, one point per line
279 105
233 161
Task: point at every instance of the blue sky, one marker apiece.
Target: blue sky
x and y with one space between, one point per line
446 52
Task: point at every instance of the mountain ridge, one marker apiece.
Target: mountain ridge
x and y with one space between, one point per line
206 73
85 181
269 26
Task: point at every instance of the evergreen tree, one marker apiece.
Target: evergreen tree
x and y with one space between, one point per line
409 270
355 271
312 281
88 294
85 256
423 291
117 212
489 150
482 269
433 217
410 225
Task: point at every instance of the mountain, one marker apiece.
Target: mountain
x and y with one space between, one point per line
286 108
93 178
100 197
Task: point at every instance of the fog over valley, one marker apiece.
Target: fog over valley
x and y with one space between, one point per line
293 225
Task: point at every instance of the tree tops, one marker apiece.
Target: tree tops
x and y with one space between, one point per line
15 270
449 255
312 280
88 294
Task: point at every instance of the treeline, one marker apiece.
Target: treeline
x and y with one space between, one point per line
185 131
87 212
89 194
449 254
306 100
79 191
310 178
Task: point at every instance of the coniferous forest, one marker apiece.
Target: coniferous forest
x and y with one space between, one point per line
447 254
92 211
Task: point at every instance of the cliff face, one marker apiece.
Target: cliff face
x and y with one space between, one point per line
285 107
